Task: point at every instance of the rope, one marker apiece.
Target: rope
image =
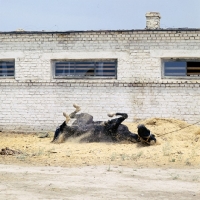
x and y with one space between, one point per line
178 129
144 140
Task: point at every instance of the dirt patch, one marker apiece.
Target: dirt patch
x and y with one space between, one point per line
97 182
167 170
178 145
7 151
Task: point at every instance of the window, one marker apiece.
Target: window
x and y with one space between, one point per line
85 69
7 68
182 68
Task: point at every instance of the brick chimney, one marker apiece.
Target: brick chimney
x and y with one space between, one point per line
153 20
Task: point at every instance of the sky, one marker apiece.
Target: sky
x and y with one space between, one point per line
81 15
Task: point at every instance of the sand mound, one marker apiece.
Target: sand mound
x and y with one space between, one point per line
169 129
178 145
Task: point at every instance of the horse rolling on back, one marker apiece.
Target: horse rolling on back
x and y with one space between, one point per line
95 131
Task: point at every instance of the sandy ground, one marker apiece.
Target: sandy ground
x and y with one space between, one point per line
97 182
72 170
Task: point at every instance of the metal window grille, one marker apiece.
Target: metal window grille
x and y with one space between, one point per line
193 68
85 69
174 68
181 68
7 68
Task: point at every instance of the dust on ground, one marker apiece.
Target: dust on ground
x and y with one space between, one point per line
178 145
104 170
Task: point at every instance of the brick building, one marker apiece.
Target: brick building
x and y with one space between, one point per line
147 73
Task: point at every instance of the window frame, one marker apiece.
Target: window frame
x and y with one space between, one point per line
8 60
163 60
54 61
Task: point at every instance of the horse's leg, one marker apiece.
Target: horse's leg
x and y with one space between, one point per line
122 133
59 130
67 117
111 126
59 133
73 114
116 122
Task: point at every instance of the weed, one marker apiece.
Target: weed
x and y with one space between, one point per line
195 178
139 154
180 158
21 157
123 156
109 169
39 152
175 176
136 156
113 157
193 153
166 149
68 154
52 150
187 162
172 159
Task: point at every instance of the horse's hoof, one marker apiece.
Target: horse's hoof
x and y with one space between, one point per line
152 142
111 114
78 108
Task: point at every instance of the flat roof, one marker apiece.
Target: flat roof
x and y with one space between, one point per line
87 31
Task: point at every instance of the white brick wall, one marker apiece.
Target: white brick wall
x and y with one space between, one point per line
34 101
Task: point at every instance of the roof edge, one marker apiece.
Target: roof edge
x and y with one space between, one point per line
87 31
